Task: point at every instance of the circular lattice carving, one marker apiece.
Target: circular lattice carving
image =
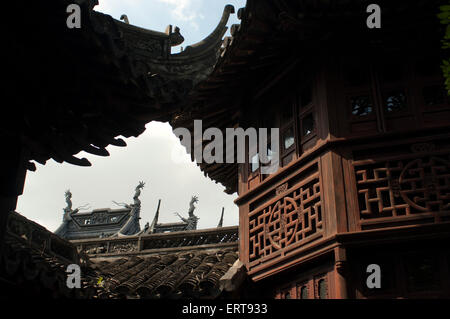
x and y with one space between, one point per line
425 185
287 217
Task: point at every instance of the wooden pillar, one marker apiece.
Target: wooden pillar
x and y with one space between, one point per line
12 179
333 190
340 272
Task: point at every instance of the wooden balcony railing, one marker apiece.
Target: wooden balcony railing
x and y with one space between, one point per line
303 208
286 217
409 189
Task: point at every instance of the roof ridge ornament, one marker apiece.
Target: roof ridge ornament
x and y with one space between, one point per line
68 213
192 220
221 219
68 209
132 227
155 219
124 18
175 36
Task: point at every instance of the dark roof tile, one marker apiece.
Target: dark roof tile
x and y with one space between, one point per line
178 275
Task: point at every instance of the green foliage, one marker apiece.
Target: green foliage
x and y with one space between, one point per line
444 17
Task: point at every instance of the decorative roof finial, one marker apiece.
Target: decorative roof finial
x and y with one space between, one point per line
192 220
155 220
132 225
175 36
68 209
68 212
124 18
221 218
137 193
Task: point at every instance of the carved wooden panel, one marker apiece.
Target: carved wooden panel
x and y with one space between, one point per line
287 221
123 247
281 189
404 187
225 235
94 249
101 218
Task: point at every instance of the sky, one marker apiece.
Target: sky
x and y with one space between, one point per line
195 18
155 157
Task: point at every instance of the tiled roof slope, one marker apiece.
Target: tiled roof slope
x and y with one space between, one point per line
184 264
33 263
191 274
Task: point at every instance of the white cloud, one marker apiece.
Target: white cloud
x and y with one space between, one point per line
186 10
111 5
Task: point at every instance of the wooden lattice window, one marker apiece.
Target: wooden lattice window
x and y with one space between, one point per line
296 119
306 115
254 158
393 92
359 94
287 133
393 79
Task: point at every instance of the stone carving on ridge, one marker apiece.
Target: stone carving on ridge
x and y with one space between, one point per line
192 220
68 213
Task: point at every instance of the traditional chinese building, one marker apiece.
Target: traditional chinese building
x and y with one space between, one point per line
184 264
117 259
103 80
109 223
166 260
180 264
364 171
364 149
101 222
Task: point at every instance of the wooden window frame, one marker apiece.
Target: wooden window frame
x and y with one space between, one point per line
284 128
295 123
411 83
303 111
